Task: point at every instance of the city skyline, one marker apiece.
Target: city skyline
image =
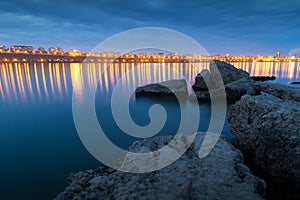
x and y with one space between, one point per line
76 52
234 27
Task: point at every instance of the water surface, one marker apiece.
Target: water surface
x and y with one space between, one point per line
39 145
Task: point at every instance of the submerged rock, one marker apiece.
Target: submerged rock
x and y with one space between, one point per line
220 175
227 71
267 130
278 90
166 88
295 82
263 78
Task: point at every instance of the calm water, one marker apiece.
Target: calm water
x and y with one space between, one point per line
39 145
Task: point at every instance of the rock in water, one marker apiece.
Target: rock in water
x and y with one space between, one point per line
220 175
295 82
262 78
234 91
278 90
200 84
267 130
166 88
227 71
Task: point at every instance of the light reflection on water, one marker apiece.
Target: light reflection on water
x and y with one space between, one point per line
24 82
39 146
44 82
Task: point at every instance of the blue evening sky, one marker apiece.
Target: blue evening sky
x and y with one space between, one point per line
229 26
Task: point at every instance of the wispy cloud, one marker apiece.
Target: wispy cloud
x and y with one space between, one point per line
220 26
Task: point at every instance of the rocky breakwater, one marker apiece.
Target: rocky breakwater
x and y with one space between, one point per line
220 175
235 81
267 130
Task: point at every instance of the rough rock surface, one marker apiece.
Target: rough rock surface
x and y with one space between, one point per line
267 130
234 91
220 175
166 88
278 90
227 71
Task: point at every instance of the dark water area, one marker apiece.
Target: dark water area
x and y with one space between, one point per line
39 144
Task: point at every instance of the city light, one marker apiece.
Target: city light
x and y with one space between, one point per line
55 54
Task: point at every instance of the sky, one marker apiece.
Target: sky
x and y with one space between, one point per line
230 26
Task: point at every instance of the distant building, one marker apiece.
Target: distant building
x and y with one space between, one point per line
278 54
41 50
73 52
21 49
2 48
55 50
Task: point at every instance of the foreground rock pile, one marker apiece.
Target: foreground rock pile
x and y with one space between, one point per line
267 130
265 121
220 175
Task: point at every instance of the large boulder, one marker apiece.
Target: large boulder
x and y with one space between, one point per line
278 90
166 88
267 130
220 175
227 71
234 91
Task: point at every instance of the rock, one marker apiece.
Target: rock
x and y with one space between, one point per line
263 78
234 91
166 88
295 82
201 96
267 130
205 96
227 71
278 90
200 84
220 175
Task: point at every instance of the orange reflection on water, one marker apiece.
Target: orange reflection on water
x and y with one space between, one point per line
37 81
5 79
28 80
64 78
281 70
51 78
76 77
1 89
42 81
12 81
58 79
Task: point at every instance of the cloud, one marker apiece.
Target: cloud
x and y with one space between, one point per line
233 23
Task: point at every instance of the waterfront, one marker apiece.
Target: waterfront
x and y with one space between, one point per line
39 145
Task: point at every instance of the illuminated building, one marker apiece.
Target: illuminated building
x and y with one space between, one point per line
41 50
21 49
73 52
278 54
2 47
55 50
